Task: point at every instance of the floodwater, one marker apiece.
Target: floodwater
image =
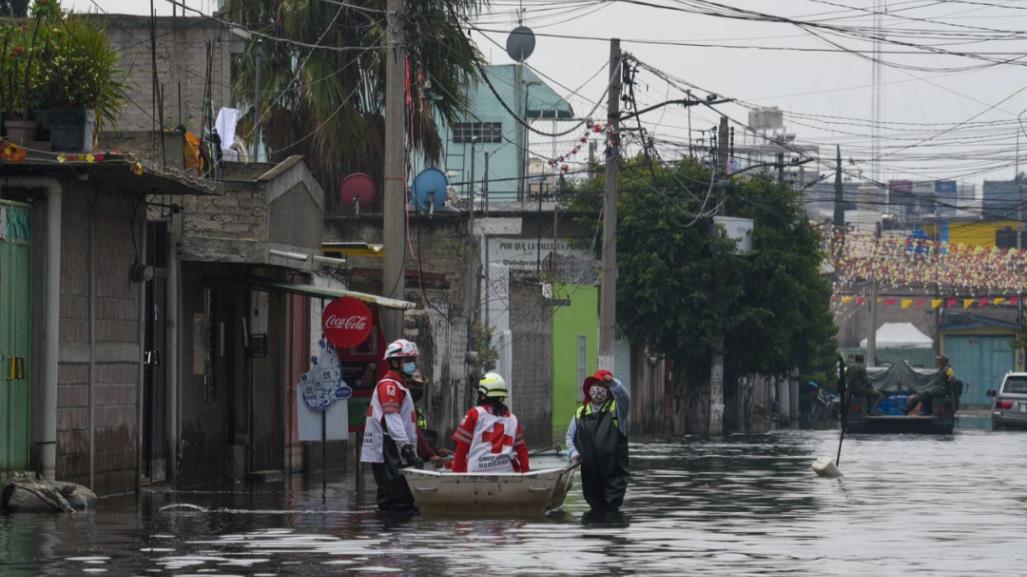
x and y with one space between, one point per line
745 505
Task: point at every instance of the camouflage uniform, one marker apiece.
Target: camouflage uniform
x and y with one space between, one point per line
860 387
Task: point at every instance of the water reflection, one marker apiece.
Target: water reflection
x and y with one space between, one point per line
742 505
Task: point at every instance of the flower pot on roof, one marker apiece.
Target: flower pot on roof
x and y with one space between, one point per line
78 91
16 86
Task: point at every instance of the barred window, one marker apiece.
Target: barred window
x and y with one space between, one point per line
491 132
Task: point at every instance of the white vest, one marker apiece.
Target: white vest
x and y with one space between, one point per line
374 435
492 446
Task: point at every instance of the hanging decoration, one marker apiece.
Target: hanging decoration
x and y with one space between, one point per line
898 263
592 130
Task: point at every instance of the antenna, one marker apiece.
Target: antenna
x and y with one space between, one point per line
430 191
357 190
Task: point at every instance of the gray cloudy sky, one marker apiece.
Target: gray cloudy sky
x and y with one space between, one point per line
950 117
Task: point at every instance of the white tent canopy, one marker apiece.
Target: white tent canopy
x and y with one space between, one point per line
900 336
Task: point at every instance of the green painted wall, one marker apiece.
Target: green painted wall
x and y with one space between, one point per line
580 319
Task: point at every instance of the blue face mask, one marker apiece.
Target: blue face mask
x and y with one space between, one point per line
409 367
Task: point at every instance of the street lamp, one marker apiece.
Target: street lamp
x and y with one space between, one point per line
524 141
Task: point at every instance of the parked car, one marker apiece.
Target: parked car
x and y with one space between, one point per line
1009 403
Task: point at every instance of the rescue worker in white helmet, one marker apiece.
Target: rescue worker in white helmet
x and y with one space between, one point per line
490 438
390 431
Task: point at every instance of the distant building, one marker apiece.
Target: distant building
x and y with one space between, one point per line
489 142
1001 198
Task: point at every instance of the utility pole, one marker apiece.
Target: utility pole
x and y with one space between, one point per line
839 210
723 175
608 279
256 107
394 203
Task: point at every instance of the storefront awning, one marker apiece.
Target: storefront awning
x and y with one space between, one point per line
330 293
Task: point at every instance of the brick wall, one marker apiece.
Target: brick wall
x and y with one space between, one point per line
239 213
531 323
181 63
115 427
73 423
98 373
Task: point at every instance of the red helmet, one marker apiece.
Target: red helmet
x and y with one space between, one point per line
596 379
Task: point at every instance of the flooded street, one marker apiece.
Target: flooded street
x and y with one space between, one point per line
742 506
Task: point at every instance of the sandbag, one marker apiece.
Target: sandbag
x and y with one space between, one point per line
27 494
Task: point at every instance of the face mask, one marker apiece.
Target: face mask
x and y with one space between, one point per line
598 395
409 367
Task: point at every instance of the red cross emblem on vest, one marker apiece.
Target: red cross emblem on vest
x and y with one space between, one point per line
498 437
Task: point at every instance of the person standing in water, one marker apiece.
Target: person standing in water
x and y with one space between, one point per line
597 438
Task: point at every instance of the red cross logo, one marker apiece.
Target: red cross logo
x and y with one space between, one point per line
498 437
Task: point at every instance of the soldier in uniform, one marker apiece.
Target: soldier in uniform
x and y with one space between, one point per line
939 388
859 384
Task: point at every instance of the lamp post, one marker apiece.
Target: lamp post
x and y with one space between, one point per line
523 153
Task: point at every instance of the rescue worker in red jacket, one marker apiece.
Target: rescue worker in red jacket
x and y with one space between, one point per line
490 439
390 430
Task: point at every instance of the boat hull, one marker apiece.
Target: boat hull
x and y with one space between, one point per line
494 493
902 425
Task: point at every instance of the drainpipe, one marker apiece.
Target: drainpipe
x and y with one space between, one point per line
51 312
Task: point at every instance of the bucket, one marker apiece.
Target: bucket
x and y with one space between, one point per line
71 130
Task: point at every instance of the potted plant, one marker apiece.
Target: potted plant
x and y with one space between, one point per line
17 96
78 89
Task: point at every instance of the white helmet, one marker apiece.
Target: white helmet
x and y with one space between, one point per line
492 386
399 349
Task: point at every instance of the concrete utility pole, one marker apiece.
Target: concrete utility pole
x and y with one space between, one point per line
839 197
723 174
394 203
608 280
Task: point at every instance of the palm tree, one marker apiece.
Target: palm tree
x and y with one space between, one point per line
322 77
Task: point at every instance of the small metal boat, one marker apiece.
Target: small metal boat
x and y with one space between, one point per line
942 422
535 492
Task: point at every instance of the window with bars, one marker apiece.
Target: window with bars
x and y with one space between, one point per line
491 132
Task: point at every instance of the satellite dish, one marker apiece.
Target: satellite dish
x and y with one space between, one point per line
430 190
521 43
357 190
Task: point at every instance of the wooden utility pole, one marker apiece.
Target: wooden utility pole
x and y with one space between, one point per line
394 203
723 174
608 280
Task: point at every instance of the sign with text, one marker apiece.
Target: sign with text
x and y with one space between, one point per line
524 253
324 397
346 322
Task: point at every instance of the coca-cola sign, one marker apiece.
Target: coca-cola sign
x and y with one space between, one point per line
346 322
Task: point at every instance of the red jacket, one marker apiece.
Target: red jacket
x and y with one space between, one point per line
464 436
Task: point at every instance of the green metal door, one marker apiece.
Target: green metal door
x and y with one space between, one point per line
15 336
981 362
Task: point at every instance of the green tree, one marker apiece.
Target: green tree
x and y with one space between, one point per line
681 286
328 102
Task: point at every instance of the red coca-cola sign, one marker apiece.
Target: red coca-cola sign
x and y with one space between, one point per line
346 322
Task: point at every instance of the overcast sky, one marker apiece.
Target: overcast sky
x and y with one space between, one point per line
922 138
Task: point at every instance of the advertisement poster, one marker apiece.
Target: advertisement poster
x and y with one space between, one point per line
323 392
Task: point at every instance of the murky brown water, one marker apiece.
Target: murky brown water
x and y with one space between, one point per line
742 506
